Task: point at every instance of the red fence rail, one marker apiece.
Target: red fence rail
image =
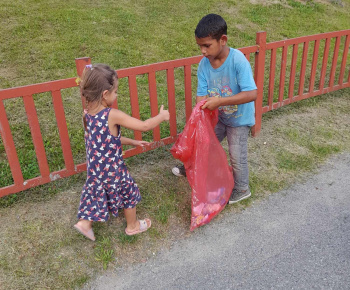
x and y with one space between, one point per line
276 78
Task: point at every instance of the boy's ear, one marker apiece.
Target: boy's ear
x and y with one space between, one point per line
223 39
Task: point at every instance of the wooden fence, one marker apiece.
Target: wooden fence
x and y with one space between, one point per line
285 71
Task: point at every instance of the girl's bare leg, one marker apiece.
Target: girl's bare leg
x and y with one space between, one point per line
131 221
84 225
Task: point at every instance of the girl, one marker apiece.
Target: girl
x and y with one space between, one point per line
109 186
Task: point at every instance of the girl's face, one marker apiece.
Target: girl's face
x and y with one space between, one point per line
110 96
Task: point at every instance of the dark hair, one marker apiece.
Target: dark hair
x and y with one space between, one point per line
212 25
96 79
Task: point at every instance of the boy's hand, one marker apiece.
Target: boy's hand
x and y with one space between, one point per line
164 113
211 103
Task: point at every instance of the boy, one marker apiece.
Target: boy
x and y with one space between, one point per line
225 79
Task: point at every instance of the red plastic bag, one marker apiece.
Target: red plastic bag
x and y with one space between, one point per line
205 161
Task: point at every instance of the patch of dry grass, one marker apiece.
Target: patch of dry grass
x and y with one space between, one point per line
40 249
284 3
309 132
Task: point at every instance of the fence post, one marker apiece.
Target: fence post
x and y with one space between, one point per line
80 63
260 56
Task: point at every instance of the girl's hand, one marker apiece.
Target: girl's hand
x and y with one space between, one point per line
164 113
140 143
132 142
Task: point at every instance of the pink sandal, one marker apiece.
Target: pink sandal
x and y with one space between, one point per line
89 234
143 227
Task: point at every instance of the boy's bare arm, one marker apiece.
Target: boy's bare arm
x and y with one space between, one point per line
240 98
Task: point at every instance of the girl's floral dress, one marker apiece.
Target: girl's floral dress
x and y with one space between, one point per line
109 186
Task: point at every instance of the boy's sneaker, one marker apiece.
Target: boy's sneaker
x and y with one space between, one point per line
179 170
238 195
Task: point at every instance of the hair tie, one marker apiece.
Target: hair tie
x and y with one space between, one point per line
89 66
77 81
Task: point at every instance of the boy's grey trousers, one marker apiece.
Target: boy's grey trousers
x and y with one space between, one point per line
237 138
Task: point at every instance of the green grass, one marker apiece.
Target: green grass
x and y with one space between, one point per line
104 252
46 36
40 40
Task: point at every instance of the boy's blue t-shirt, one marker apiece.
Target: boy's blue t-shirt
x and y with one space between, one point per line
233 76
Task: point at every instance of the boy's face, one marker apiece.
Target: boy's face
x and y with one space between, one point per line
210 47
